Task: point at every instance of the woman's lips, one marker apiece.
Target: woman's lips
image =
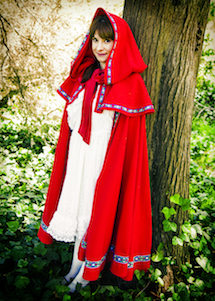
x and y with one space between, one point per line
101 54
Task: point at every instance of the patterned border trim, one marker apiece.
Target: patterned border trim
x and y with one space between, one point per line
43 225
108 106
142 258
136 259
83 244
124 109
139 259
116 116
121 259
101 97
117 258
95 264
82 45
109 66
71 99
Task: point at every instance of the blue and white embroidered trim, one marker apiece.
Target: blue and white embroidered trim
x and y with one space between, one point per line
82 45
83 244
109 65
101 97
142 258
116 116
131 111
121 259
102 105
71 99
43 225
95 264
136 259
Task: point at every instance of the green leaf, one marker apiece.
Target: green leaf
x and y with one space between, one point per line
191 279
204 263
39 263
21 281
66 297
168 212
65 256
185 237
13 225
200 284
159 255
102 289
85 292
177 241
198 229
110 288
155 274
22 263
184 203
18 252
193 232
175 199
184 268
127 296
186 227
40 249
160 247
169 226
62 289
160 281
139 274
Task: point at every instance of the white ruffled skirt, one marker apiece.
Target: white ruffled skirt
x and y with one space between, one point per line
84 165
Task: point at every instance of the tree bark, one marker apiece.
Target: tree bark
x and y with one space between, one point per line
170 35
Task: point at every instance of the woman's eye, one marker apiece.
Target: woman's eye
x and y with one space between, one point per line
94 39
107 40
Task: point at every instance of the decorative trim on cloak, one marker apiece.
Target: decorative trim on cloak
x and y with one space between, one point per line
125 259
82 45
126 110
117 258
115 119
75 94
95 264
102 105
109 65
44 226
83 244
101 97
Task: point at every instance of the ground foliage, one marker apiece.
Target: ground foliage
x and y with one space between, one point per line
33 271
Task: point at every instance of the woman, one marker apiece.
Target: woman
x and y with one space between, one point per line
99 192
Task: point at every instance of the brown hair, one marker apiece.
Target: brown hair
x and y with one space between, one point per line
105 31
104 27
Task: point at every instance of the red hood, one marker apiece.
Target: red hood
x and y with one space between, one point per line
124 53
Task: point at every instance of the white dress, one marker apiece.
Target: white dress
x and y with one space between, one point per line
84 165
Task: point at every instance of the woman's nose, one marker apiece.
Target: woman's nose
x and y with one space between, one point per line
100 46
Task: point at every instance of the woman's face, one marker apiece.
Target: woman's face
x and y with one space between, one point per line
101 48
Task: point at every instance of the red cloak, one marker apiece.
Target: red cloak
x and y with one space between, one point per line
120 229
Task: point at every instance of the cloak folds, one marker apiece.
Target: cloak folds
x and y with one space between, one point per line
120 229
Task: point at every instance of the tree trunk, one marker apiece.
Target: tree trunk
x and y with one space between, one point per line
169 34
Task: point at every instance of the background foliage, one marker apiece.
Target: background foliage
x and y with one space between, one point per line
33 271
